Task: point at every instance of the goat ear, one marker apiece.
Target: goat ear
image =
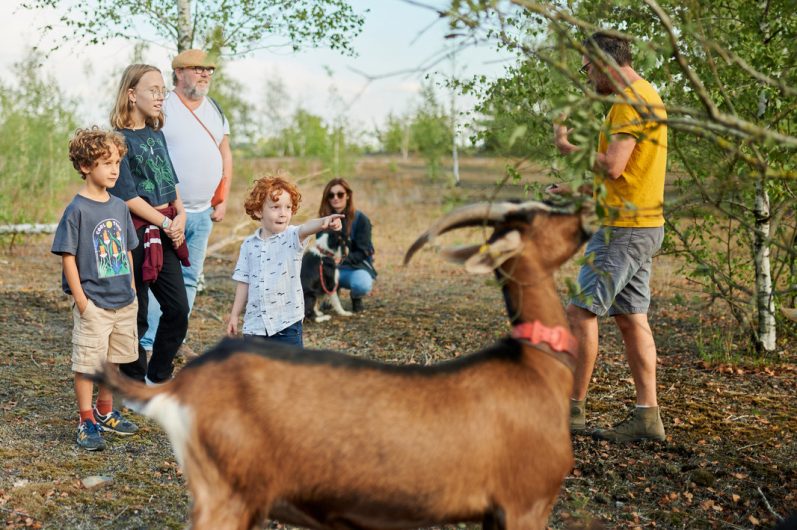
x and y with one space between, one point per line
461 253
490 256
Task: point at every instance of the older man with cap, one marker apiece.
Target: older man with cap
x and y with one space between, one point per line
197 137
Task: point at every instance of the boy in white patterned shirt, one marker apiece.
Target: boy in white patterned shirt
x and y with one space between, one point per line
270 261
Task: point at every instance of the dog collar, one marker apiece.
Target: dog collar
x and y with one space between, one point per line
325 252
557 338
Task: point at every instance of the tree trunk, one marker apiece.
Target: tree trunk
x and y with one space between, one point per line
28 229
405 142
765 302
185 29
454 151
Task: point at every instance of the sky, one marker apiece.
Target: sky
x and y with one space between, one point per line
397 36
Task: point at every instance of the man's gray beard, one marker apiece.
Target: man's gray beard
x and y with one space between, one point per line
195 92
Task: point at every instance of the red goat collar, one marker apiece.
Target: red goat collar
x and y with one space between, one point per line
557 338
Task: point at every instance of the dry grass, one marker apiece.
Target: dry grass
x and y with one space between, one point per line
731 430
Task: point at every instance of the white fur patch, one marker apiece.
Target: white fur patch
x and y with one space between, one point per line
175 418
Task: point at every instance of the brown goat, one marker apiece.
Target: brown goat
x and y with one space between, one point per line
329 441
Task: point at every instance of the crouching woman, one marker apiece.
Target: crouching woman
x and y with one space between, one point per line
357 272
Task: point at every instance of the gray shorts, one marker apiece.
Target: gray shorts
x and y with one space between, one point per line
616 276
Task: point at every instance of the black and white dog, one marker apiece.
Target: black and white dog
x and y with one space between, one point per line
320 274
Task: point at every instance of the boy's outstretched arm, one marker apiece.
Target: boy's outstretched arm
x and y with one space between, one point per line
241 296
314 226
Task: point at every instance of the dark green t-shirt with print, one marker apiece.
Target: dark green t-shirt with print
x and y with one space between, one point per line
146 171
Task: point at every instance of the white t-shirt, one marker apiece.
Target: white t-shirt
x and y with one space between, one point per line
272 267
196 159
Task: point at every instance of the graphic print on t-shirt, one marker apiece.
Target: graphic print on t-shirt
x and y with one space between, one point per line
109 249
151 152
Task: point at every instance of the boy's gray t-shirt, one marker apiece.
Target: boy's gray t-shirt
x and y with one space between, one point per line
99 234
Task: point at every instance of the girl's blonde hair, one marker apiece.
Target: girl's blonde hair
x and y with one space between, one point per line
120 115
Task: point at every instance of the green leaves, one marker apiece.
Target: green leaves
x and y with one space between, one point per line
245 24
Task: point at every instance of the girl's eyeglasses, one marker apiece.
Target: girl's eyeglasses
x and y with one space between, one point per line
584 70
331 195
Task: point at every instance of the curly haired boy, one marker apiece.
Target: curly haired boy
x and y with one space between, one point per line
270 261
94 239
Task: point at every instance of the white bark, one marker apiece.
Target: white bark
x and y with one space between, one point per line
405 142
454 150
185 29
28 229
765 301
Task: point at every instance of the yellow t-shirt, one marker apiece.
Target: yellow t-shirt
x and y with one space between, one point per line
636 197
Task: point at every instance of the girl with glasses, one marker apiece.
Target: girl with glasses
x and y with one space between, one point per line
357 271
148 184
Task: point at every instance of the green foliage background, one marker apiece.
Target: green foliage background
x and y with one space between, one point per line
726 72
36 122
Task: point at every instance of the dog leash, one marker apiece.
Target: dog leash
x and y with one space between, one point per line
321 277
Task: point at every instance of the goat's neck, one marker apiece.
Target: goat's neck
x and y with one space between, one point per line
531 295
536 299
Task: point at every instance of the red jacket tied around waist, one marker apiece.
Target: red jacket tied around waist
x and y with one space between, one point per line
153 247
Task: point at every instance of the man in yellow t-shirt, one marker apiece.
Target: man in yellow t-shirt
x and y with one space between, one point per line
630 166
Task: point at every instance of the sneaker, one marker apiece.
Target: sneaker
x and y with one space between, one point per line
578 417
89 437
644 423
115 423
186 352
357 305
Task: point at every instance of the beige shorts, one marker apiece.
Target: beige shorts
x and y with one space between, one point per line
104 334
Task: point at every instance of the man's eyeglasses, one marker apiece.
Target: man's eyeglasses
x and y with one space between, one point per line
584 70
199 70
331 195
154 93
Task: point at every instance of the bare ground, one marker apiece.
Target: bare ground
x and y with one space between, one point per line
729 461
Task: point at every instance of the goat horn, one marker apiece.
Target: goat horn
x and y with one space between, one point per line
483 213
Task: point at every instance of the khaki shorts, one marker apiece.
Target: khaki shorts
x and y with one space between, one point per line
104 334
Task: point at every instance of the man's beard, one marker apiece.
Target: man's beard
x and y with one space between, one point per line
603 89
603 86
195 92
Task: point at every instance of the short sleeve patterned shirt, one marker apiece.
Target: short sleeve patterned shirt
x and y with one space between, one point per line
271 267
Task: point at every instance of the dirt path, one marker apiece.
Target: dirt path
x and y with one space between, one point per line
729 461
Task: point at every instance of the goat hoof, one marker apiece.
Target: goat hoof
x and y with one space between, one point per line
322 318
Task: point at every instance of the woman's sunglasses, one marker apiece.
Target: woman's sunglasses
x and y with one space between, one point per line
331 195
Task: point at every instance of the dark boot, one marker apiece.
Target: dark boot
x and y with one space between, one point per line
357 305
